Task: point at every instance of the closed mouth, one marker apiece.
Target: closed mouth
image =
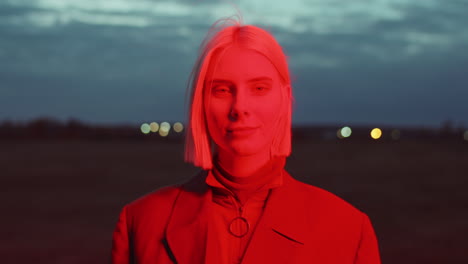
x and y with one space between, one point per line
241 129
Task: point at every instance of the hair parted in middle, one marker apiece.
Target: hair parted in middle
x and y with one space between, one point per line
223 34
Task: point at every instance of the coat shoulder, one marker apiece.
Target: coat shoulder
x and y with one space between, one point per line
328 202
160 202
160 199
340 231
331 218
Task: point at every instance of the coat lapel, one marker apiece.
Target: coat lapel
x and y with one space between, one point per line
280 233
186 230
282 230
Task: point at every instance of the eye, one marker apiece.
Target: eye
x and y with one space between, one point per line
221 90
261 89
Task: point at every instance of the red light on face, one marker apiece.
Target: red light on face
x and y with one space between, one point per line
243 100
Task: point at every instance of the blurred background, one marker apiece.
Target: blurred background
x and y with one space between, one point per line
92 115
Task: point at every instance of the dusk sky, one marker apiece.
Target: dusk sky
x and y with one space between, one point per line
386 62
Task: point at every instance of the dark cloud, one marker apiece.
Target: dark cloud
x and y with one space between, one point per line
9 10
97 73
421 92
106 73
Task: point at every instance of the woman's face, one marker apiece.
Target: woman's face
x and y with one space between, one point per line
243 101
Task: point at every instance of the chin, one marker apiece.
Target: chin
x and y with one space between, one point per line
245 150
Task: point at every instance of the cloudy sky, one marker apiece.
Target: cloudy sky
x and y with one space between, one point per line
390 62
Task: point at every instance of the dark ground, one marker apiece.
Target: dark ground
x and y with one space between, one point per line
60 199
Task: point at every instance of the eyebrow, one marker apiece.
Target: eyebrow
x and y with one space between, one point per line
262 78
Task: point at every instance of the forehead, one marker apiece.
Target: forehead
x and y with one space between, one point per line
240 64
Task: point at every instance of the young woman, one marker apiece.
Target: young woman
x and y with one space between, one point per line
243 207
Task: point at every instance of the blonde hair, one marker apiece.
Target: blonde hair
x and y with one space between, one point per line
223 34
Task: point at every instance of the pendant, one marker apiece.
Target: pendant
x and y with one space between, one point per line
239 227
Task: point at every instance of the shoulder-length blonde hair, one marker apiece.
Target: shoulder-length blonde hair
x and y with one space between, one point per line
223 34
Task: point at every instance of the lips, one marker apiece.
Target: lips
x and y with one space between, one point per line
241 132
234 129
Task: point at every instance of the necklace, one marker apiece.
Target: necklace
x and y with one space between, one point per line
239 226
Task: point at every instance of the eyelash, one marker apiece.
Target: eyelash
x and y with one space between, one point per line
263 88
225 88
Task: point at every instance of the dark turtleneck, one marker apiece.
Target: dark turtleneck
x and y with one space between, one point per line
244 187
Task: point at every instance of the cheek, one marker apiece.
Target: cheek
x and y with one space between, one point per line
271 111
216 117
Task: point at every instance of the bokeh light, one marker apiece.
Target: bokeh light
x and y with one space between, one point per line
178 127
163 133
165 126
164 129
346 132
154 127
376 133
145 128
465 135
395 134
338 134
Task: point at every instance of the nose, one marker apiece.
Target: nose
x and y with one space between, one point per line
240 106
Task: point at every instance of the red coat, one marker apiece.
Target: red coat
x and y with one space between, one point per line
300 224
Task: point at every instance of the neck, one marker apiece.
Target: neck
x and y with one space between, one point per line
242 166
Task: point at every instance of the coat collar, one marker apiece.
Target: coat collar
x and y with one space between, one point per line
280 231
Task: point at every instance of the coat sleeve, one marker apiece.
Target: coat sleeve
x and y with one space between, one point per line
368 250
120 253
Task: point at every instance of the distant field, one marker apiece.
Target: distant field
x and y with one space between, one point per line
61 199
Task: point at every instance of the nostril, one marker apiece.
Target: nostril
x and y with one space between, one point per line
237 113
233 114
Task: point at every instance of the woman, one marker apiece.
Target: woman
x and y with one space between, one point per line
243 207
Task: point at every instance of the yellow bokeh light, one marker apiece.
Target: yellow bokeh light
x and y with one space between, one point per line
165 126
154 127
465 135
145 128
163 133
346 132
376 133
178 127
